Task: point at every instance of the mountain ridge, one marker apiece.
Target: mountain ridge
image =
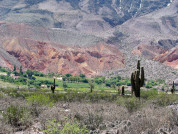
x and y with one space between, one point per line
132 27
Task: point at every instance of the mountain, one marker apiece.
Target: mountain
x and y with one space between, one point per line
121 30
81 15
42 49
52 57
165 52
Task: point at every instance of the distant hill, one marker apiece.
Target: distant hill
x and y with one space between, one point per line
81 15
136 28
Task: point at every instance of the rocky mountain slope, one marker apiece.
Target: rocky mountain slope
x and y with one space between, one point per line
51 57
150 37
82 15
137 28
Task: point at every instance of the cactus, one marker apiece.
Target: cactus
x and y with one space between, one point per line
136 81
173 88
53 87
122 90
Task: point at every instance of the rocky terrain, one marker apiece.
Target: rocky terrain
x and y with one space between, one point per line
86 15
137 28
165 51
51 57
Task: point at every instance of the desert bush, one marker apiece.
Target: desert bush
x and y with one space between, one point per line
17 116
165 99
2 95
3 69
73 128
41 99
150 84
173 118
91 120
101 111
68 128
148 94
150 119
50 113
72 96
130 103
36 109
5 128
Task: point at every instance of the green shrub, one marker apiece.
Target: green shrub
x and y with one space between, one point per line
2 95
130 103
147 94
160 81
73 128
17 115
150 84
3 69
68 128
166 99
41 99
91 119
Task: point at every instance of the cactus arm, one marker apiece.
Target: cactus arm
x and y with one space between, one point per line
138 66
54 83
142 77
132 83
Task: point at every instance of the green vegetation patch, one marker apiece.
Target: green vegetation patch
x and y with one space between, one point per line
41 99
17 115
68 128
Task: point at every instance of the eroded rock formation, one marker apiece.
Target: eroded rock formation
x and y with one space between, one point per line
53 57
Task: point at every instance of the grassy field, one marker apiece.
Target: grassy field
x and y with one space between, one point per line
76 86
69 84
11 85
75 110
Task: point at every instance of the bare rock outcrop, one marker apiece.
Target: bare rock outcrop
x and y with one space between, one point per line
165 51
53 57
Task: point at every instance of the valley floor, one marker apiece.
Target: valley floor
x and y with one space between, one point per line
36 111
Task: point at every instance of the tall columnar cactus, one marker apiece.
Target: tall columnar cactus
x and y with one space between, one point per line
53 87
123 90
173 88
136 80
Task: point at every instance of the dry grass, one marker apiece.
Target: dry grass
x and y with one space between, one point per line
99 116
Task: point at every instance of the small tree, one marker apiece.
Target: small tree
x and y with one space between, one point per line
91 86
82 75
14 68
64 85
29 73
16 73
63 78
21 72
68 75
8 73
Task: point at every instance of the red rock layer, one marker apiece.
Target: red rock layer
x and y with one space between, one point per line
52 57
168 57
